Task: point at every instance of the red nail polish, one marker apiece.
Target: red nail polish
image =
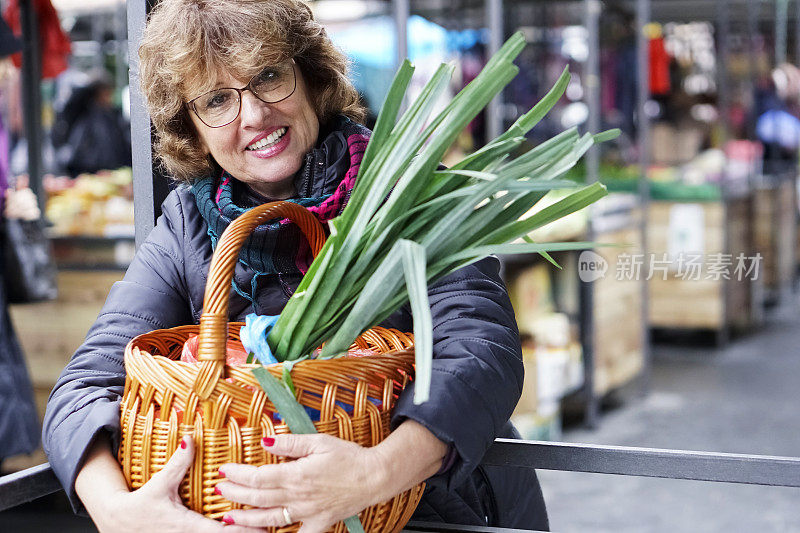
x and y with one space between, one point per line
221 473
227 519
183 444
217 491
268 441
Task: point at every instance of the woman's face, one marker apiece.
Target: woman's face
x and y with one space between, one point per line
252 149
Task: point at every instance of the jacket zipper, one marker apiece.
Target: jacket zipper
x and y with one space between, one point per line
306 185
492 500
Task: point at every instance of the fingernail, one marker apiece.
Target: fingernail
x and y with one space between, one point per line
183 443
217 491
221 473
268 441
227 519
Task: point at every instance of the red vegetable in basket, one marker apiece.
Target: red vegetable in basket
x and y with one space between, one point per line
236 355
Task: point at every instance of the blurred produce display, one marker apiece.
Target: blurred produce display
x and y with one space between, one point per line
553 361
91 205
569 228
700 178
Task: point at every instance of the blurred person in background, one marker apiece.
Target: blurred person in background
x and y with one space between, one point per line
19 423
778 125
90 133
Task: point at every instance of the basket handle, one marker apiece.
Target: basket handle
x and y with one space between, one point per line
213 335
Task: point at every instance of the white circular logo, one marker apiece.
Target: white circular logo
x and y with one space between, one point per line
591 266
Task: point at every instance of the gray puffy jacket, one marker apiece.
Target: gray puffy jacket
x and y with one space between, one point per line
476 382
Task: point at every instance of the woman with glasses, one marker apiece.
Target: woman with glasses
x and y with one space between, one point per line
250 103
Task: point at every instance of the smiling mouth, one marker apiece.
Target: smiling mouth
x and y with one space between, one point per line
269 141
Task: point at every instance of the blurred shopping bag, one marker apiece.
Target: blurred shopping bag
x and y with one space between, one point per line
29 271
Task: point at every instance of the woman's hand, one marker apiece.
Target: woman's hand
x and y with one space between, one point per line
332 479
155 506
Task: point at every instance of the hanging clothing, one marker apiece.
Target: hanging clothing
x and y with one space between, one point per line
608 81
19 422
659 67
54 45
625 98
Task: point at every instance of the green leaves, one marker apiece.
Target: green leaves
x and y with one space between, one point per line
409 221
408 224
294 415
414 270
279 394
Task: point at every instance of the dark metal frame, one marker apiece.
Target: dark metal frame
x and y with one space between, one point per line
27 485
643 16
30 80
150 186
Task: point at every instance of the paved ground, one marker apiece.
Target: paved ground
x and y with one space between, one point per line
741 399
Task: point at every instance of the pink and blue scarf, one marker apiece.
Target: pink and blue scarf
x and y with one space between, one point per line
323 185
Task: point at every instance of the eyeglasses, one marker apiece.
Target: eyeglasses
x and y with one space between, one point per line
220 107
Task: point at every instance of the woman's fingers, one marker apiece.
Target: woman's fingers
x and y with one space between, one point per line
257 517
264 498
296 446
170 477
272 476
195 522
260 477
327 483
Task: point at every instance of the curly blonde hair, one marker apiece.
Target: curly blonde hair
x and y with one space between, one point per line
188 43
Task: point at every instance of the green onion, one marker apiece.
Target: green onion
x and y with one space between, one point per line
454 217
408 224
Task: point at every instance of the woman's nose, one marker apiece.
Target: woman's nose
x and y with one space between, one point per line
253 110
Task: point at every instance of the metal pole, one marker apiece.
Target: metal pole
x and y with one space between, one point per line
494 112
797 33
400 9
120 47
723 26
643 65
149 187
31 77
724 105
753 14
592 81
27 485
647 462
438 527
591 77
753 28
781 23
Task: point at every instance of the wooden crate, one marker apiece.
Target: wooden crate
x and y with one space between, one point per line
711 302
774 227
50 332
618 353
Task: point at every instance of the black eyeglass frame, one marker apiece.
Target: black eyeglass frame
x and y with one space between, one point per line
191 103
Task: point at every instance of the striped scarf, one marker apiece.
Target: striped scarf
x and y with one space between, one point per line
328 173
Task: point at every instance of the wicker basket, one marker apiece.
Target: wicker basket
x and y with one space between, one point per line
226 411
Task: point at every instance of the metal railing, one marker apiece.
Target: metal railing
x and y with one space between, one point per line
27 485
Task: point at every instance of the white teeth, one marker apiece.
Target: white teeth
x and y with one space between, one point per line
269 140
